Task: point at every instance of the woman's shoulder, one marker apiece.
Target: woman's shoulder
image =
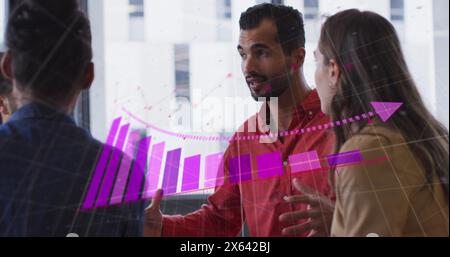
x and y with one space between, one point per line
386 154
374 137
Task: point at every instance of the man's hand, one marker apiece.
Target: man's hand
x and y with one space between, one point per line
153 217
318 216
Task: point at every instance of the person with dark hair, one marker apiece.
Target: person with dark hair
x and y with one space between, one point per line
271 46
360 61
5 92
46 160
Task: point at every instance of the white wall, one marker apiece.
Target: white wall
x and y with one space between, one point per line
164 22
199 20
97 93
441 57
381 7
419 48
116 20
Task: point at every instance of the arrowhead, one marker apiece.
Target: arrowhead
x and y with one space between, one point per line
386 109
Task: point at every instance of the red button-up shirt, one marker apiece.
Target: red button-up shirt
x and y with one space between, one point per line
259 202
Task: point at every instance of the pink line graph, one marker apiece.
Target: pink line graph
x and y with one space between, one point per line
247 138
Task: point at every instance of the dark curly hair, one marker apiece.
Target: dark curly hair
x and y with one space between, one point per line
50 45
288 21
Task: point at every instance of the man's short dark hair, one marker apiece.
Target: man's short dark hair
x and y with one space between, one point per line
288 21
50 42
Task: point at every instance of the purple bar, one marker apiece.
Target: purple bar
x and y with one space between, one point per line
191 173
170 180
214 170
240 169
154 169
124 169
139 168
105 190
344 158
100 168
269 165
304 162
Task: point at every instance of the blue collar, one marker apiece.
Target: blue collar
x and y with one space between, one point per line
40 111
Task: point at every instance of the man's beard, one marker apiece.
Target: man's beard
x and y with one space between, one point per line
276 87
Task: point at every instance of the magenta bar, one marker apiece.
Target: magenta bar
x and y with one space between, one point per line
135 184
124 169
344 158
171 171
154 169
105 190
269 165
191 173
240 169
303 162
101 164
214 170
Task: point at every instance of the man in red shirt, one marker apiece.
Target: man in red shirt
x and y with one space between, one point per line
271 45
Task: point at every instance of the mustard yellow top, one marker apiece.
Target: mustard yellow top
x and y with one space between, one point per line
387 198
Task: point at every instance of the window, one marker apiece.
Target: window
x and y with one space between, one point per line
136 8
277 1
397 10
224 9
311 11
270 1
182 75
223 28
136 20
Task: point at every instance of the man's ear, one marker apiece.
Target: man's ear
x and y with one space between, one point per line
1 103
6 66
298 57
3 108
88 76
333 72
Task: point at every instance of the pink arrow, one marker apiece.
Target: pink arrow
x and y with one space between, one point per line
386 109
